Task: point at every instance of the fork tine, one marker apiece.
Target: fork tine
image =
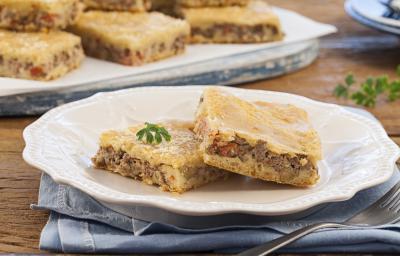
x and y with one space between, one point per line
388 198
395 199
395 206
379 212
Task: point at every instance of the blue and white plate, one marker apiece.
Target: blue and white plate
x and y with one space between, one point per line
371 14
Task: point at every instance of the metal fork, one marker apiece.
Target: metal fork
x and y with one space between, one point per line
385 211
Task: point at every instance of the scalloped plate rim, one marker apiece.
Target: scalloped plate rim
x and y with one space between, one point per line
170 205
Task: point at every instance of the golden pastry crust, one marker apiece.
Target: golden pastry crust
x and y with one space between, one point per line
273 142
175 166
254 23
39 56
119 5
38 15
219 3
131 38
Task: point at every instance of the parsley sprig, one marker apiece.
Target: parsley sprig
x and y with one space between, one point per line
369 90
153 133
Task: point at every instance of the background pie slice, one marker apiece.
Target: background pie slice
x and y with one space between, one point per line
254 23
131 38
39 55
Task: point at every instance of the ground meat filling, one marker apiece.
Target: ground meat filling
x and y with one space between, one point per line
99 49
241 149
123 5
108 158
231 31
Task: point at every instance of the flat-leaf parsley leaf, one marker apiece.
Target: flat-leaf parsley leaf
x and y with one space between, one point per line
153 134
368 91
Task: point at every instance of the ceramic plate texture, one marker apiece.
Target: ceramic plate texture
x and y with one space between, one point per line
297 29
357 153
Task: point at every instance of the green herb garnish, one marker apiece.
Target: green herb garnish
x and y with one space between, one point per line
368 91
153 133
342 91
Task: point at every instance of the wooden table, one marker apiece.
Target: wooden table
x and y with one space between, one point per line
355 48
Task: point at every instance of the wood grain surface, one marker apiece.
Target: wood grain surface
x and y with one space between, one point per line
354 48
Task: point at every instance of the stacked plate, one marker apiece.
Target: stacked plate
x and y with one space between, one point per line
372 13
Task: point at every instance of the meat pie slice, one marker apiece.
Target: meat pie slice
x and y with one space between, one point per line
254 23
273 142
175 166
119 5
37 15
39 55
131 38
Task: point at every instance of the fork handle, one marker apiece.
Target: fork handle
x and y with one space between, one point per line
274 245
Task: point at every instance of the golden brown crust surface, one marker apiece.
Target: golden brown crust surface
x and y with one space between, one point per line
265 140
175 166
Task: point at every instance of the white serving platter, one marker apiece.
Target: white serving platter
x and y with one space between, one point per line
297 29
357 153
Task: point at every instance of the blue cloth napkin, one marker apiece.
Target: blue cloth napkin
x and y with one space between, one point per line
80 224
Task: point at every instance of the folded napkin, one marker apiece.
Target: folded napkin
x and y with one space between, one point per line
80 224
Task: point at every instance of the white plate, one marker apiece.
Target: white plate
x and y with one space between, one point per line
357 153
374 11
297 28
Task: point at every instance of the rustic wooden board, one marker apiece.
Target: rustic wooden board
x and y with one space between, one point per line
355 48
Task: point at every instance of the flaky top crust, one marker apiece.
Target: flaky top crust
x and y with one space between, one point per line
35 45
130 30
255 13
285 128
181 151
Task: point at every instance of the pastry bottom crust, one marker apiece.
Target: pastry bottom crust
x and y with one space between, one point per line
255 169
165 176
133 57
234 33
259 162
